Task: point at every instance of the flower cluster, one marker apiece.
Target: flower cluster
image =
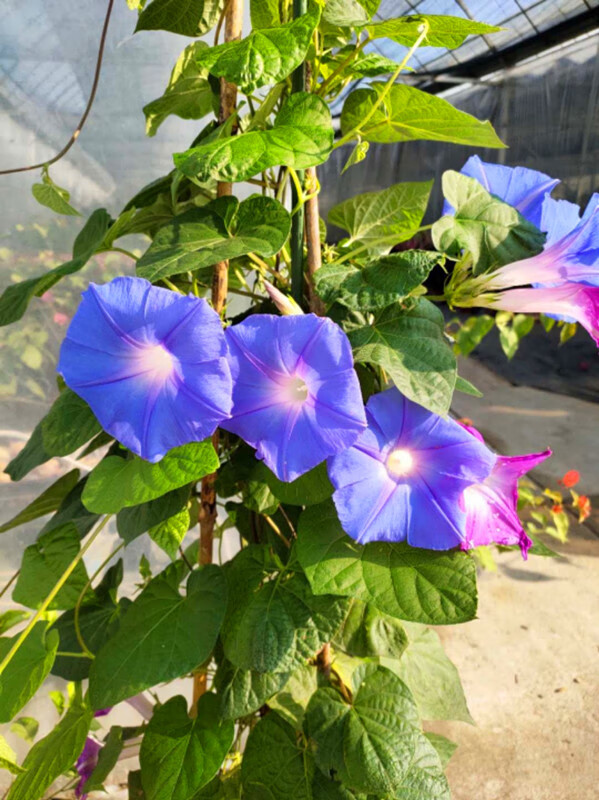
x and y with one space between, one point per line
158 371
562 280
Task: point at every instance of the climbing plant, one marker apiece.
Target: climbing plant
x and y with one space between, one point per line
256 390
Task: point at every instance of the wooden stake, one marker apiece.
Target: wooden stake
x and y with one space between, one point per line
220 285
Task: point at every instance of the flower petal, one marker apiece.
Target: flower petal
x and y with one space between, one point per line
522 188
150 363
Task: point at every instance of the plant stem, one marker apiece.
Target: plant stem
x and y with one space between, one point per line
220 285
58 586
314 257
380 99
298 84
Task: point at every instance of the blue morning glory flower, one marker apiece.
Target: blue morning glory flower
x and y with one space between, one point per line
296 396
404 478
151 364
570 254
524 189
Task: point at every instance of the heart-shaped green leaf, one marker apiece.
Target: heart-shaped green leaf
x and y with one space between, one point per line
429 586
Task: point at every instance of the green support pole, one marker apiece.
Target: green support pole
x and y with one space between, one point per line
298 84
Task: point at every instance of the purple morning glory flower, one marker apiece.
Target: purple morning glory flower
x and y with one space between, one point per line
296 396
151 364
86 764
491 506
571 252
524 189
570 301
404 478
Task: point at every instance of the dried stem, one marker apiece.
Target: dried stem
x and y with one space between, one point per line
88 107
220 283
323 660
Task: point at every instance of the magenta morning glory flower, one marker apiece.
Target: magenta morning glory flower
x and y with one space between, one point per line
573 301
524 189
571 252
491 506
404 478
296 396
151 364
86 764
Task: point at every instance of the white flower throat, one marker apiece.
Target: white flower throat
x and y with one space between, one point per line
400 462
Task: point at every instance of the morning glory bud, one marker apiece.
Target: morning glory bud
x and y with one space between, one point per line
286 304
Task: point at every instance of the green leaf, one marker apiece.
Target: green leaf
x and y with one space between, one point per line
374 744
153 643
47 502
410 583
15 299
132 522
382 219
220 230
443 31
49 194
325 788
311 488
99 620
411 347
68 425
445 747
464 386
42 566
471 333
431 676
367 633
345 13
187 17
54 754
117 483
357 155
188 95
242 692
407 114
302 136
12 617
280 625
287 770
379 284
107 760
135 790
27 669
169 534
179 755
72 510
265 13
30 457
8 758
267 55
26 728
291 701
494 232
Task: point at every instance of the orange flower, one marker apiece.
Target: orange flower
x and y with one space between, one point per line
584 508
570 479
557 508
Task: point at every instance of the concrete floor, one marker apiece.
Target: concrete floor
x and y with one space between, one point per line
530 669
